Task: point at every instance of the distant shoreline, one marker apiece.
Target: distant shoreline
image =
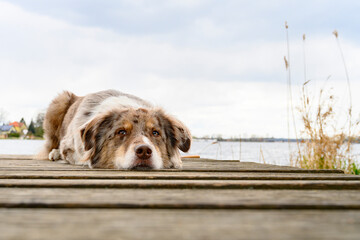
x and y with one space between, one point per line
250 139
257 139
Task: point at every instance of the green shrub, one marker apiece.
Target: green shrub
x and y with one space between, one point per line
14 135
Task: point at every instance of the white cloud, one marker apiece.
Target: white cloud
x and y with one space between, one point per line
230 90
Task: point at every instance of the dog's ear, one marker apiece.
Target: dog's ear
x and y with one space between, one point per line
183 135
91 133
87 134
178 134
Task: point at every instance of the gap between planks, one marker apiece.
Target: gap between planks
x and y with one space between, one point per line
181 184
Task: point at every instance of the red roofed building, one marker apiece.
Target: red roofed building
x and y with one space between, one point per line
19 127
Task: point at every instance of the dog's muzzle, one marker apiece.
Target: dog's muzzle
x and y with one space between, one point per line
143 154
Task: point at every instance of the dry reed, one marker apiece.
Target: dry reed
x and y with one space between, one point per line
289 94
325 145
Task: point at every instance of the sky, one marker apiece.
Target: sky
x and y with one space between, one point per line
216 65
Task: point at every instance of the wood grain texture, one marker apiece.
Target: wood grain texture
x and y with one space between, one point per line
178 198
205 184
16 157
169 175
177 224
32 157
189 165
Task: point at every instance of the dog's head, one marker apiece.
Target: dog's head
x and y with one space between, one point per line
135 138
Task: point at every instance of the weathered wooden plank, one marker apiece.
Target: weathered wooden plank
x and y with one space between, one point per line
38 165
177 224
16 157
32 157
187 163
16 165
207 184
178 198
179 175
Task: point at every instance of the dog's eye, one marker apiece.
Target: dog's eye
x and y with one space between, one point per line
122 132
156 133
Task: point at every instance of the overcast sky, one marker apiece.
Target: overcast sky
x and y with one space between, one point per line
216 65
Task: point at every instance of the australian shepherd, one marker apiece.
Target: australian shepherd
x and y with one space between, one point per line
110 129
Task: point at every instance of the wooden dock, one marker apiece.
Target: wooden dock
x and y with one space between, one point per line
208 199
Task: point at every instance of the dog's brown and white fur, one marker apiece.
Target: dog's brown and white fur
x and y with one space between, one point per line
110 129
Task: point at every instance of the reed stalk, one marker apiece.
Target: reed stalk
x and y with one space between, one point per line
290 106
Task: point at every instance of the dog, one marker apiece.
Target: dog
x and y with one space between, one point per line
114 130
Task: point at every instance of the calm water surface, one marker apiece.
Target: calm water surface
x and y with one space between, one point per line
269 152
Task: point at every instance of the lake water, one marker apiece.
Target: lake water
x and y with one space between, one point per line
269 152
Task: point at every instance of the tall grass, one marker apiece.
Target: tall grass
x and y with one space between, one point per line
325 145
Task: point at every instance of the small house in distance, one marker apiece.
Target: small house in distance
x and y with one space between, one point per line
19 127
5 130
13 129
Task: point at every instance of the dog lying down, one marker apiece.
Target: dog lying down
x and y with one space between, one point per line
110 129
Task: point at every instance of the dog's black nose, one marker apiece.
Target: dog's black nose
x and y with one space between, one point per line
143 151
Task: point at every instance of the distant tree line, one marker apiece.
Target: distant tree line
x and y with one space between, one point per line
36 128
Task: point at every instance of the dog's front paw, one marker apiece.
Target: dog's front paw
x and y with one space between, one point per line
176 161
177 165
54 155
